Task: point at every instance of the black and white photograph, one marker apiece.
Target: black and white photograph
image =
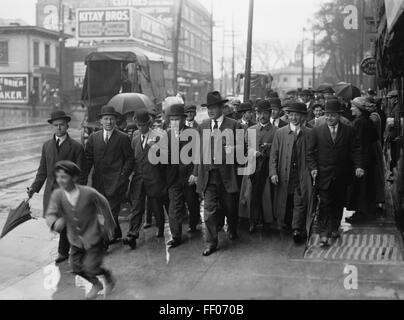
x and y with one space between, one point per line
201 150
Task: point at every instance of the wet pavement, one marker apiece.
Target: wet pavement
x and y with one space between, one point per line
258 266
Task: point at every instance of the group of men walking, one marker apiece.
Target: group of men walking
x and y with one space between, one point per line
292 157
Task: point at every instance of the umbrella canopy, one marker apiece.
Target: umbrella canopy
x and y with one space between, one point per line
347 91
125 103
17 216
325 88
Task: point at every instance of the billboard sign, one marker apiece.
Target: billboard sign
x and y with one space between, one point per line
13 88
104 23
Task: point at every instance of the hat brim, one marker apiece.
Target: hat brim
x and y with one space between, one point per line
67 118
215 103
176 115
294 110
117 115
334 111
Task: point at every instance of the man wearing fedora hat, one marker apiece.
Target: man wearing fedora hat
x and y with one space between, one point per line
60 147
333 149
289 173
148 180
110 153
181 186
275 119
217 182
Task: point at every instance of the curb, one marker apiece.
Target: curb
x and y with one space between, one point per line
24 126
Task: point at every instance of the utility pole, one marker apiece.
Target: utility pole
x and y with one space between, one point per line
61 52
176 44
302 78
232 60
314 60
222 73
247 81
212 77
362 49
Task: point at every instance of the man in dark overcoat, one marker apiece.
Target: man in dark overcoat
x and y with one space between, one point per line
60 147
181 186
110 152
148 180
217 180
333 150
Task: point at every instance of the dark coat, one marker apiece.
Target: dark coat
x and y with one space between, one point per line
333 160
178 171
146 174
280 165
69 150
228 172
113 162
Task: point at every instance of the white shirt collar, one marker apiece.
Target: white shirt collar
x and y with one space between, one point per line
294 128
189 123
73 196
336 127
219 121
107 133
62 139
274 121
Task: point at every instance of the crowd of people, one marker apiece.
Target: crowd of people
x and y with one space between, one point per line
302 146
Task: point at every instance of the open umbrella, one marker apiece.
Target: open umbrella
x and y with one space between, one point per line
125 103
17 216
347 91
325 88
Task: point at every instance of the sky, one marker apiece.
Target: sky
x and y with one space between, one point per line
277 21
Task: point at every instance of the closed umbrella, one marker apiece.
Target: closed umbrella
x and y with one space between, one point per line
313 208
125 103
347 91
16 217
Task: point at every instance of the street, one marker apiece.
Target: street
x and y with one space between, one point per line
258 266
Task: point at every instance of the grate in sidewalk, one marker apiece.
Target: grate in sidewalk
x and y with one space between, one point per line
364 246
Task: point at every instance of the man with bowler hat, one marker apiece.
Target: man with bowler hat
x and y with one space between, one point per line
333 149
263 134
289 173
109 151
190 111
60 147
148 180
216 179
180 182
275 119
245 115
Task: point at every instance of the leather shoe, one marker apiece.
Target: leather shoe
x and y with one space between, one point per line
323 242
131 242
61 258
110 284
95 289
192 230
297 236
208 251
173 243
233 236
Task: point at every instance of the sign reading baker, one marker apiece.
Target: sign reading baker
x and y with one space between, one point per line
13 88
104 24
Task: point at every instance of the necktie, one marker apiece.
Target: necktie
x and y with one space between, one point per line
333 133
216 126
143 140
58 144
106 138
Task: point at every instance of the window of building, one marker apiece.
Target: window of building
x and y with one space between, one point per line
310 82
47 55
299 80
36 53
3 52
57 57
285 79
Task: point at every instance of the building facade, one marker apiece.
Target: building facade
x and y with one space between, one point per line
147 27
29 65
